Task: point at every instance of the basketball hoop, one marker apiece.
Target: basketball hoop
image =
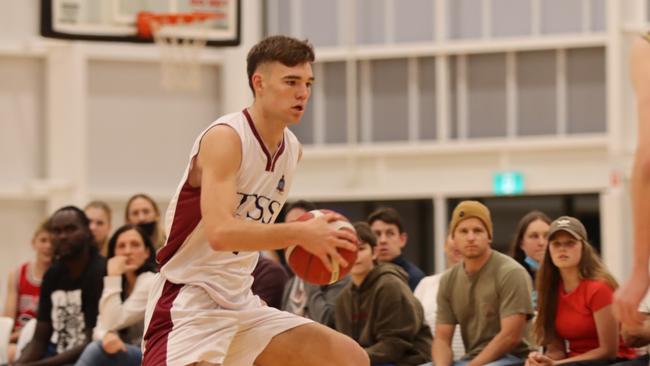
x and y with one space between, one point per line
180 37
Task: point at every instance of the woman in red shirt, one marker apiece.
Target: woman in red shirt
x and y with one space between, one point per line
24 285
575 322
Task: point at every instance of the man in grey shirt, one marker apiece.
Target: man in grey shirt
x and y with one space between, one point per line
488 294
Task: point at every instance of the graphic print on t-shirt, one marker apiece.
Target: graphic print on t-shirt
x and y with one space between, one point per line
67 320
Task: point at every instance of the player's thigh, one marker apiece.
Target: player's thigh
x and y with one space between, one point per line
312 344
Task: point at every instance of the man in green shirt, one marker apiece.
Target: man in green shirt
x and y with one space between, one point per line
488 294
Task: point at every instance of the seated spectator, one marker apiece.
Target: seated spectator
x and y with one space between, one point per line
427 293
24 286
378 310
529 244
130 272
575 322
70 292
387 226
99 214
269 279
143 211
487 294
315 302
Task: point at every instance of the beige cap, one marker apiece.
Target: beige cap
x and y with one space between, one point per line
569 224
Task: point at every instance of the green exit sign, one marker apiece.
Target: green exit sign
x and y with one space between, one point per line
508 183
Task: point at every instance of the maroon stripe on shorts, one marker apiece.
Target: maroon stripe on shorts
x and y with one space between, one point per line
186 217
161 324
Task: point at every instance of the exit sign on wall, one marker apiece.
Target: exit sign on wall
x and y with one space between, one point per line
508 183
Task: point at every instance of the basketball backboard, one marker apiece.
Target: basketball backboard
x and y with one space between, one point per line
116 20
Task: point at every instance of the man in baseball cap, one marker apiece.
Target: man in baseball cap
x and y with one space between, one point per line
488 294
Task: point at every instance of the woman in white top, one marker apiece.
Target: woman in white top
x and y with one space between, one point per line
130 272
427 293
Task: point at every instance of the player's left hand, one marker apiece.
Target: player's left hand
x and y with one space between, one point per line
628 297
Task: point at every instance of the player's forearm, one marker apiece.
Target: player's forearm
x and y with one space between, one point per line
244 235
442 353
640 184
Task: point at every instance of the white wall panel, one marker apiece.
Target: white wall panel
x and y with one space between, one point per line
22 107
140 136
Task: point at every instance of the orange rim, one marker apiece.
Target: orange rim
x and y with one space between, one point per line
146 19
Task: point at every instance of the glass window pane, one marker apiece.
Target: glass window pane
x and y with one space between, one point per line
320 22
304 130
598 16
413 20
536 96
453 100
561 16
370 22
511 18
486 76
335 103
389 100
428 101
586 105
464 18
282 10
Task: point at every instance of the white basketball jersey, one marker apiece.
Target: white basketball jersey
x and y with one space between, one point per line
263 182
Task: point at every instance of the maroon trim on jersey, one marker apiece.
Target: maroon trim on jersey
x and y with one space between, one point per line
186 218
270 161
277 154
161 324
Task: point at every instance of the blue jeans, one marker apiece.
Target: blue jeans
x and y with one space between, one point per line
506 360
94 355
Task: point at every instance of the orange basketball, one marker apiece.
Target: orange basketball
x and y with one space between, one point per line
309 267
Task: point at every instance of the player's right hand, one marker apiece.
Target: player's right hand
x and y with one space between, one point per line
323 241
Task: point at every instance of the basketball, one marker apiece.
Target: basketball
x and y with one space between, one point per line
309 267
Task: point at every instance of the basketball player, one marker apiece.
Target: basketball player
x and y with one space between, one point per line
201 310
630 294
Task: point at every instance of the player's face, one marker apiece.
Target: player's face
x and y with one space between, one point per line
284 91
364 262
535 240
389 240
69 235
43 247
565 250
131 245
471 238
99 224
141 211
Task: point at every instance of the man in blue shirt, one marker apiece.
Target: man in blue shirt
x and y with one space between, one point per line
387 226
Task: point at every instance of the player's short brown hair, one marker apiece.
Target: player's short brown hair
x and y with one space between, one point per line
285 50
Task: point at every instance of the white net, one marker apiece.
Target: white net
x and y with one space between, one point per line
180 48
